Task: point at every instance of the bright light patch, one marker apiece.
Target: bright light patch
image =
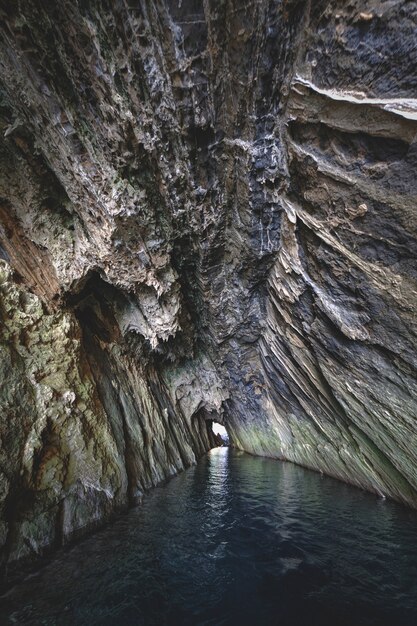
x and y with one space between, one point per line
220 430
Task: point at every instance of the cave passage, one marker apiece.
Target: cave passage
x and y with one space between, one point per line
208 248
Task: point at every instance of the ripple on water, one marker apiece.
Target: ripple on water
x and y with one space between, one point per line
235 540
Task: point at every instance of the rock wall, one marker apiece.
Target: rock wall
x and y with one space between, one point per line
206 211
86 429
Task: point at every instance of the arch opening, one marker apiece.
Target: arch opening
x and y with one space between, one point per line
221 433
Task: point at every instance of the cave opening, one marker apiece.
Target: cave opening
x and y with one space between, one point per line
221 433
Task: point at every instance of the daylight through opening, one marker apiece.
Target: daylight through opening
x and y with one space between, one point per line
220 431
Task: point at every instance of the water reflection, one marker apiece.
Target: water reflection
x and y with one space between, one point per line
236 540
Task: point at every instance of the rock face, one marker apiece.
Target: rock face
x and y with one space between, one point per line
206 212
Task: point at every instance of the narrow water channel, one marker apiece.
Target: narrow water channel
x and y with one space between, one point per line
235 540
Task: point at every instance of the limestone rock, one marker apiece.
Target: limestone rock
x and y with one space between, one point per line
207 211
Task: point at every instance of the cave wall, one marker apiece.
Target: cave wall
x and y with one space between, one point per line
86 428
206 211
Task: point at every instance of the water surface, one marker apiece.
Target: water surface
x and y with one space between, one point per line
236 540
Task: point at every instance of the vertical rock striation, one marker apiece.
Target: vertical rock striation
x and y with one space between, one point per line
206 212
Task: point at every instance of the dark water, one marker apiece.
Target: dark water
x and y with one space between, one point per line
236 540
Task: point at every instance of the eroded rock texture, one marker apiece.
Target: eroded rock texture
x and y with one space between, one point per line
207 210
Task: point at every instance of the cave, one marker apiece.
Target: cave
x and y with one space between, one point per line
207 221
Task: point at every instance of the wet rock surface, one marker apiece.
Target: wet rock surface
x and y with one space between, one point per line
207 211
